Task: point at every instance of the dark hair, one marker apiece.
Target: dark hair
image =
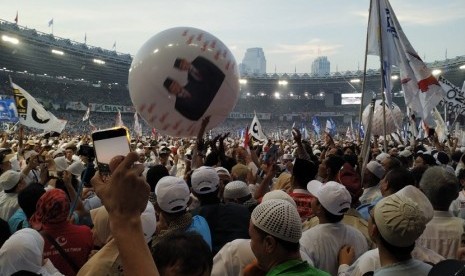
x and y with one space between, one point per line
332 218
398 251
287 245
461 174
154 174
209 198
304 171
187 250
25 273
394 162
398 178
417 173
4 232
167 83
212 159
28 197
334 163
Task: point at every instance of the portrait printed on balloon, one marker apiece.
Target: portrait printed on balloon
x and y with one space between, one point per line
204 79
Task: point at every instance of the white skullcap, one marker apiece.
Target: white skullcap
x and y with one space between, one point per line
279 194
279 218
236 189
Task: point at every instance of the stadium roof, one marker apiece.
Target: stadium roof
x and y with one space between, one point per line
72 60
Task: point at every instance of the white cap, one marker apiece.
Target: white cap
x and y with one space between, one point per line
205 180
236 189
9 179
149 222
76 168
376 169
29 154
60 163
279 194
278 218
382 156
334 197
172 194
405 153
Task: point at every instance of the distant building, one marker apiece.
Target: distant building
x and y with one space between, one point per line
321 66
254 62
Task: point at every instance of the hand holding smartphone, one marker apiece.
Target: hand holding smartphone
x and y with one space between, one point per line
109 143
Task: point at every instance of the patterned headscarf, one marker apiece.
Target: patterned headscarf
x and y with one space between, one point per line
52 208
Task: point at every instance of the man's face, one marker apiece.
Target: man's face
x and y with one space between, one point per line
418 162
184 65
175 88
383 186
385 163
256 244
69 154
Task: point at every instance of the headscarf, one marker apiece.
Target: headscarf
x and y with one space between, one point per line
101 230
52 208
22 251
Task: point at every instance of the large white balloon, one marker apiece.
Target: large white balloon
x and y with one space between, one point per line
394 118
180 76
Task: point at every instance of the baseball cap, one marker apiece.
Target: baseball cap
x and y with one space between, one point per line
205 180
376 169
405 153
172 194
60 163
236 189
279 218
222 171
164 150
76 168
334 196
382 156
30 153
9 179
402 217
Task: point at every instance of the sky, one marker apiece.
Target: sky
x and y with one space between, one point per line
292 33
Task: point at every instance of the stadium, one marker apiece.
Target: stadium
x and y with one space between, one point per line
68 76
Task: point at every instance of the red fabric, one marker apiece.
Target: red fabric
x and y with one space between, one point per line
303 202
52 208
76 241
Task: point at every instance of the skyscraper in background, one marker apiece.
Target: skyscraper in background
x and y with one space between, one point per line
321 66
254 62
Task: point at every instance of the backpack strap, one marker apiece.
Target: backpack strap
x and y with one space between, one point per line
62 252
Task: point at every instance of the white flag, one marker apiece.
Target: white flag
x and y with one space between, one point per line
86 115
119 120
137 125
422 91
454 99
255 130
32 114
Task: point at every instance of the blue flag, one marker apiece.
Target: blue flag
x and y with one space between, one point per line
316 126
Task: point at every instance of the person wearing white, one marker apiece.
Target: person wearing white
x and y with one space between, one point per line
373 174
396 222
444 232
322 242
457 207
11 183
24 251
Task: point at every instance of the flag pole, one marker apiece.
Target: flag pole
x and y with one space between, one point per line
359 136
383 84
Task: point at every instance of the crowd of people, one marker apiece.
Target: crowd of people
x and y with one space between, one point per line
225 206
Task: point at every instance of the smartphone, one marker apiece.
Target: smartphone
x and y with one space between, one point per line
272 153
109 143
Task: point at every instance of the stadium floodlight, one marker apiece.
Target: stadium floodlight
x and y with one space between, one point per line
321 94
394 77
242 81
282 82
10 39
306 94
355 80
262 94
277 95
99 61
248 93
436 72
291 94
462 67
57 52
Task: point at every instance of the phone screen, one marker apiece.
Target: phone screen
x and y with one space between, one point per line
109 143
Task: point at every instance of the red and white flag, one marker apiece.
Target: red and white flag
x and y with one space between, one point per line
119 120
422 91
137 126
86 115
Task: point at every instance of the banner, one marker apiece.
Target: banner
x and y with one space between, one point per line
241 115
32 114
8 111
454 99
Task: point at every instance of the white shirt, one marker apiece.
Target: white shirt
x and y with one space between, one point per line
443 234
234 256
407 268
370 194
323 242
370 262
457 207
8 205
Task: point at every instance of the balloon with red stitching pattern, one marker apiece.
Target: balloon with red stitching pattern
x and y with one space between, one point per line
179 77
393 118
